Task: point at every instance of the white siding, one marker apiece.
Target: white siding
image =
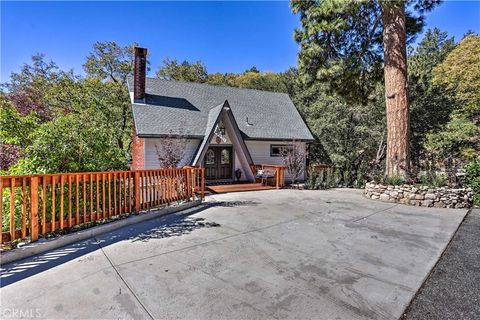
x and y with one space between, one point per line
151 158
260 152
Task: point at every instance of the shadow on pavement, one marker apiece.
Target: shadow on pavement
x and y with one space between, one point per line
172 225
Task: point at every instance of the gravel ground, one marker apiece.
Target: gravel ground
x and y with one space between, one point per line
452 291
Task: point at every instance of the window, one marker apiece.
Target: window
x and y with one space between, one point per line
225 157
210 157
277 149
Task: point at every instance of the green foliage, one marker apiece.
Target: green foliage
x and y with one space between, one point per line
430 105
110 61
393 180
459 75
323 179
267 81
184 71
71 143
197 72
65 123
472 178
14 128
433 179
350 134
341 43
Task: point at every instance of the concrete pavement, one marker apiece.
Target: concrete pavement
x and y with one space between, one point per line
268 254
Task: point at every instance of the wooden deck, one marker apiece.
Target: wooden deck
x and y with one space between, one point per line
238 187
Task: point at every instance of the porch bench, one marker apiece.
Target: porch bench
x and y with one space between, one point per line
265 174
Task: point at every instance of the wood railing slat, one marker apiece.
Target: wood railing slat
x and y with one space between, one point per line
33 209
97 198
24 207
109 194
12 208
52 211
90 180
70 211
62 195
84 193
103 195
77 200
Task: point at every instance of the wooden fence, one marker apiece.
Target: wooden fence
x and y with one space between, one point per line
38 204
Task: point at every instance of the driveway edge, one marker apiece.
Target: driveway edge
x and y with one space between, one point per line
434 265
44 245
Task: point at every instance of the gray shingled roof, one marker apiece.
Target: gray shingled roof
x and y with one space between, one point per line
174 107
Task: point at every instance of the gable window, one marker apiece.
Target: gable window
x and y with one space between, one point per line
276 150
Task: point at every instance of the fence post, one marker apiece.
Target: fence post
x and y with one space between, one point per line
278 170
188 176
34 208
203 184
136 187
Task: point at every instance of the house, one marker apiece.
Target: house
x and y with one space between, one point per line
223 128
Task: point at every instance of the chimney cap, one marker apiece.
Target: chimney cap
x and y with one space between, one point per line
140 50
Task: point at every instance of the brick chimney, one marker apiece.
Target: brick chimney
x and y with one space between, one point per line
139 74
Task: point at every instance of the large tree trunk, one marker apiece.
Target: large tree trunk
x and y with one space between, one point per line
396 100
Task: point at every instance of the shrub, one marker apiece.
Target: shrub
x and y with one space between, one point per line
472 178
393 180
311 179
433 179
324 179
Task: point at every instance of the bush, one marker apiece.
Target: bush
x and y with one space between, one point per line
393 180
324 179
432 179
472 179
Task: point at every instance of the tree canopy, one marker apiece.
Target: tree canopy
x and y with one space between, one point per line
184 71
54 121
459 76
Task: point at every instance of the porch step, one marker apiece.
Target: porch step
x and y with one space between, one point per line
238 187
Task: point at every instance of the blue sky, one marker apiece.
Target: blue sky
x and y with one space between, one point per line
226 36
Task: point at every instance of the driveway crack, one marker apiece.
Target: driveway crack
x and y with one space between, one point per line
125 282
371 214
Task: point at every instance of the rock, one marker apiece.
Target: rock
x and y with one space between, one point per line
427 203
419 197
439 204
430 196
384 197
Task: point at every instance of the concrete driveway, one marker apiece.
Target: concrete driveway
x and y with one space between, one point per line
268 254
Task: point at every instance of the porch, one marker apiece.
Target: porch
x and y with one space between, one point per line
238 187
266 177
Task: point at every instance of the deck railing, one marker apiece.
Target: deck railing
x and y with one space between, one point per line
31 205
279 172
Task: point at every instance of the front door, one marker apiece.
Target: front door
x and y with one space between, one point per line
218 163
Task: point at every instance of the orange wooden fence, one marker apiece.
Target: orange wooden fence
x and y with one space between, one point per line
38 204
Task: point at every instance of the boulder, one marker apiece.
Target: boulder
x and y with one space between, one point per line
384 197
430 196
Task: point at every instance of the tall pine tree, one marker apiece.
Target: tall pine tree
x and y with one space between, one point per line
346 44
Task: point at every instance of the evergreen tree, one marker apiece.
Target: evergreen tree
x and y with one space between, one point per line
345 44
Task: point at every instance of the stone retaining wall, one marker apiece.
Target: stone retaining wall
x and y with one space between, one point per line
421 196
